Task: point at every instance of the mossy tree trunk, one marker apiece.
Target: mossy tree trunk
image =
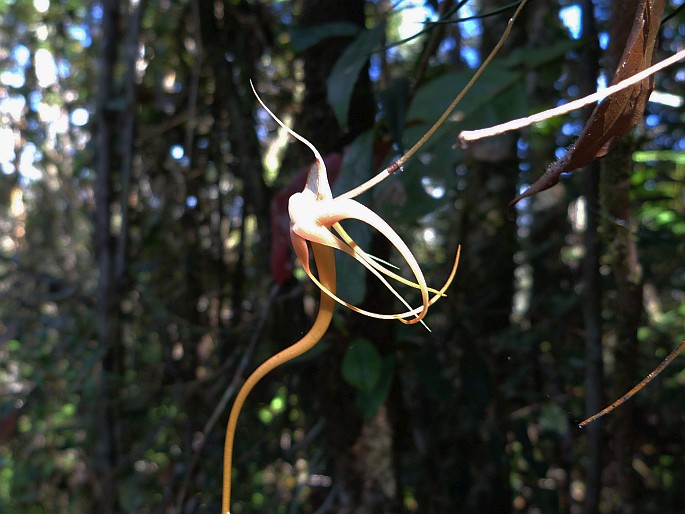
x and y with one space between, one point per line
622 256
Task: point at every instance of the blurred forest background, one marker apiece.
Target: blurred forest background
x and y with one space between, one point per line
145 265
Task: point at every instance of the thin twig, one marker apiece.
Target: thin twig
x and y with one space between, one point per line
468 136
637 388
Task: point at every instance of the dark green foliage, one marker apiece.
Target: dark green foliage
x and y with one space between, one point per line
478 416
369 373
345 73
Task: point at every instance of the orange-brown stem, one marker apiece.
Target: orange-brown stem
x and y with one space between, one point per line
637 388
325 264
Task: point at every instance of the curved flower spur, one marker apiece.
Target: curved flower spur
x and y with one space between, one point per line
314 217
314 214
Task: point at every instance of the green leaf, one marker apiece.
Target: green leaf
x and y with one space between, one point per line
393 102
538 57
362 365
346 70
553 419
432 99
370 401
355 169
302 38
499 95
659 155
369 373
357 163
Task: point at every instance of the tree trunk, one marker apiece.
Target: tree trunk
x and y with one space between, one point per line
488 231
626 269
106 448
591 280
627 272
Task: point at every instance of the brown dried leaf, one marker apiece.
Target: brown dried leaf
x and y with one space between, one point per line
618 114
